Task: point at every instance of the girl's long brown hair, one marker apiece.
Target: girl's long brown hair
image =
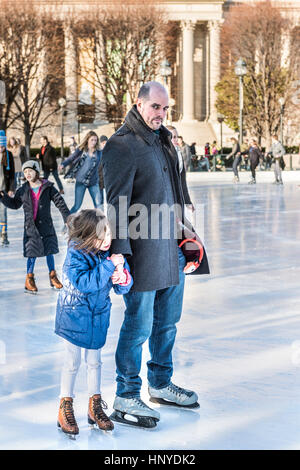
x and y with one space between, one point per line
84 144
85 228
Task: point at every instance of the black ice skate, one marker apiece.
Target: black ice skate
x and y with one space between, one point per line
134 412
173 395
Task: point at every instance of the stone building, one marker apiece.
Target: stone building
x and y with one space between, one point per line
195 70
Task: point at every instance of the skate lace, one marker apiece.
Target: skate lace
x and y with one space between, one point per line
177 390
99 405
69 413
140 402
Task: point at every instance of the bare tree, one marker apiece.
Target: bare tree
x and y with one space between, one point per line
265 40
35 42
123 45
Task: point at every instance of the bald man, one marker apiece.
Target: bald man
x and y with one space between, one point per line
141 165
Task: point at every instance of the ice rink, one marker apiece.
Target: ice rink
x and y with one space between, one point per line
238 342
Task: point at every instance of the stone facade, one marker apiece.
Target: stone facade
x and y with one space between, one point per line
195 72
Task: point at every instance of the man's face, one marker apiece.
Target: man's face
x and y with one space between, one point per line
43 142
154 109
180 141
102 144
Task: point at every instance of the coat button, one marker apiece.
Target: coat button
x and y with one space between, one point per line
165 168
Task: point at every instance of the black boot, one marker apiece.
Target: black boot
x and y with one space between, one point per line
4 239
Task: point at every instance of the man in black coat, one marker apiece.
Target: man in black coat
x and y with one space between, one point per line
141 176
49 163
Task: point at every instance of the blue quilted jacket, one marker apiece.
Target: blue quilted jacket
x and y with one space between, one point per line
83 305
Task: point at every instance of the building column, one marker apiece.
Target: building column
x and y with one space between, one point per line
71 75
214 69
188 28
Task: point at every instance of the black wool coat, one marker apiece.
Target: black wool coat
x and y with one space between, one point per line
49 158
39 235
9 174
142 168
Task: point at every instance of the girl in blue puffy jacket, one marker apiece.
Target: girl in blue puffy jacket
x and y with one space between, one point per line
83 311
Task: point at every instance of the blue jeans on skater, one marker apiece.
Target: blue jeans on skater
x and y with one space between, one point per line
31 264
3 219
94 191
153 315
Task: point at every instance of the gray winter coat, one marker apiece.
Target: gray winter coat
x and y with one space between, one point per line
143 167
277 149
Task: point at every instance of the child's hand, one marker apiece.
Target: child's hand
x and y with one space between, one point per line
117 259
10 193
118 278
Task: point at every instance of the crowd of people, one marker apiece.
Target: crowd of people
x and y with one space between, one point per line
210 157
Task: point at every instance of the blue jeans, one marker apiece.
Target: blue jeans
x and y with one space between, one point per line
94 191
3 218
152 315
31 264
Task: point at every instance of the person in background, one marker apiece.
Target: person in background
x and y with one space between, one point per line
39 238
19 153
7 183
72 146
277 150
84 163
182 171
185 152
244 154
103 139
254 156
49 164
236 154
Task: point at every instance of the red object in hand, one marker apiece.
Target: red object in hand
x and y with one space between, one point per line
198 252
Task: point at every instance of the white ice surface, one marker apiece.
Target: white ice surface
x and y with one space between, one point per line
238 342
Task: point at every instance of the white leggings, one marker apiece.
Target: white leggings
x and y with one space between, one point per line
72 360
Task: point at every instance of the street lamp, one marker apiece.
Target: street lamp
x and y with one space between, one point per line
62 103
241 70
281 101
165 70
78 126
221 118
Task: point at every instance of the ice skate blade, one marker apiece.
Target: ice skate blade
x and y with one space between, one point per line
94 425
32 292
142 421
67 434
161 401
